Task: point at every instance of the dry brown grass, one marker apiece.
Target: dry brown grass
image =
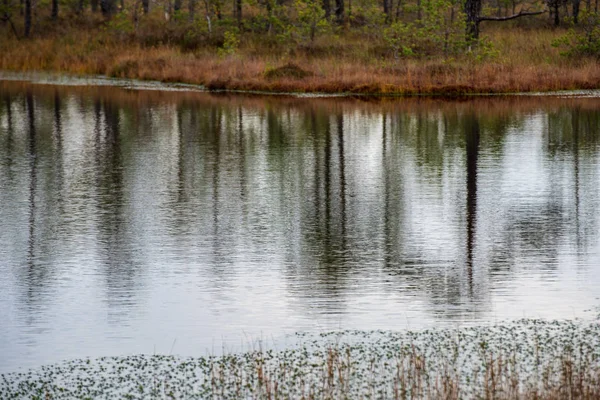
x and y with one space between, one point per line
526 61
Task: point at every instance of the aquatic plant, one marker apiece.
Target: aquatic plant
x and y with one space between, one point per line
524 359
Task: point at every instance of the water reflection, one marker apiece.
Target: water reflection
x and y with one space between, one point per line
130 219
472 138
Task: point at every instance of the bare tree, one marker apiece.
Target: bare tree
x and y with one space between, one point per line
192 10
387 9
106 6
339 11
6 16
27 18
327 8
554 7
208 10
54 13
474 18
238 13
576 4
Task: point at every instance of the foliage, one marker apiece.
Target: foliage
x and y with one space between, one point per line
121 25
441 30
369 19
231 43
583 40
311 19
401 38
485 50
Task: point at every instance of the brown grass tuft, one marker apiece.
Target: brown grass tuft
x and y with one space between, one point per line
289 70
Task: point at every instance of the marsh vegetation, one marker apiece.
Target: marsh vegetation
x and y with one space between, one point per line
526 359
358 46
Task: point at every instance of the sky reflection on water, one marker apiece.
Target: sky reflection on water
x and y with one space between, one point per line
135 222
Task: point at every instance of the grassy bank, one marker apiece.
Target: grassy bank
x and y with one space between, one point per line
528 359
518 60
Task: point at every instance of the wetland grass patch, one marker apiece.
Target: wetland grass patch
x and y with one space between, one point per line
526 62
526 359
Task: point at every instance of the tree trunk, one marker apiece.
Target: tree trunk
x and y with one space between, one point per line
54 12
472 11
238 13
107 7
27 18
218 10
556 13
270 14
576 4
94 4
327 8
207 6
146 6
339 11
192 9
386 10
177 5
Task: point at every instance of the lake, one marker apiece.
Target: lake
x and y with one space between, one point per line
181 222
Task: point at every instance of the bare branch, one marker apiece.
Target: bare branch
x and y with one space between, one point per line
6 18
520 14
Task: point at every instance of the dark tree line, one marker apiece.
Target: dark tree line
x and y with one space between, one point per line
336 11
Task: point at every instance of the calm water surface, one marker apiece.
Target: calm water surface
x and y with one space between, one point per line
147 221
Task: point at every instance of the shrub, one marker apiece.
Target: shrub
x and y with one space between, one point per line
121 26
231 43
583 40
441 30
311 18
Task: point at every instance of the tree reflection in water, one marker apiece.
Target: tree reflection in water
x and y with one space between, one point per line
213 215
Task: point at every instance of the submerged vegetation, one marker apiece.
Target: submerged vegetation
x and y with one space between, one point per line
526 359
360 46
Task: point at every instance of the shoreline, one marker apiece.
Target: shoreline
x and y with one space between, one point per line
522 62
52 78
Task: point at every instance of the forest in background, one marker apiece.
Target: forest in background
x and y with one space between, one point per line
386 46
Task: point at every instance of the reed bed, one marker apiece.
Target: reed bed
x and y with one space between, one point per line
525 359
